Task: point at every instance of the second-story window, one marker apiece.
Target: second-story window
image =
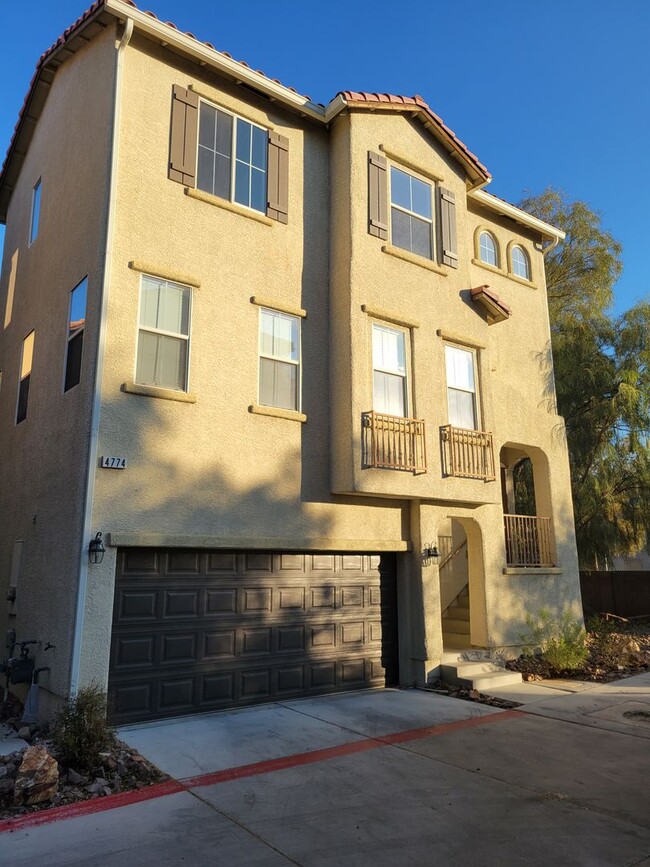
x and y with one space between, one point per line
26 359
76 325
411 213
520 262
389 384
164 334
36 212
279 348
461 387
232 158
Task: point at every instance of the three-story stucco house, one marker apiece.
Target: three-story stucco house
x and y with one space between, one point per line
287 360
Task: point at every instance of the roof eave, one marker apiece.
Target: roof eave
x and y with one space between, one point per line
516 214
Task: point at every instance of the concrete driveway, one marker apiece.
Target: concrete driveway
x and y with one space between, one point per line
379 778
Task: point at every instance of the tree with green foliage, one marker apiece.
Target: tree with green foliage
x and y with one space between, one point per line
602 378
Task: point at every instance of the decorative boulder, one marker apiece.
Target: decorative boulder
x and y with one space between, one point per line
38 777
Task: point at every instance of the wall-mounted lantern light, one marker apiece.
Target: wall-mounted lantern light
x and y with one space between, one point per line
430 554
96 549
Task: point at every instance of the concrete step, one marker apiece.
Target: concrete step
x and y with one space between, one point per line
450 624
455 639
481 675
457 612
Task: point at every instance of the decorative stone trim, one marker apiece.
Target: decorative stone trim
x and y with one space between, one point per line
463 339
532 570
277 412
165 273
389 316
265 301
233 207
131 387
413 259
493 268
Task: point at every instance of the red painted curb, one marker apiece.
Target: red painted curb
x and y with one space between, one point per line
172 787
96 805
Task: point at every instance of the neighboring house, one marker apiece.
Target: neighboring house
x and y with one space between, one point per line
274 352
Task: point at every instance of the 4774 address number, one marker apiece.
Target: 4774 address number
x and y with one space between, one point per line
113 463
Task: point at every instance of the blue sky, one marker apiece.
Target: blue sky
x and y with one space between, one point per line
552 93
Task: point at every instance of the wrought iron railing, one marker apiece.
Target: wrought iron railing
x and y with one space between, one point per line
468 453
528 540
393 442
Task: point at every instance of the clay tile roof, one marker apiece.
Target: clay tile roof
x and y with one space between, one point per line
418 102
489 299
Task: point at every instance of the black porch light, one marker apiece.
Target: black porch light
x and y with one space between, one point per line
430 554
96 550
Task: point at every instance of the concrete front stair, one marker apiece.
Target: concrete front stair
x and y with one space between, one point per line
455 621
475 673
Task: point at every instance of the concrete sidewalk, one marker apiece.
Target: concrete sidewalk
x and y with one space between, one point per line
379 778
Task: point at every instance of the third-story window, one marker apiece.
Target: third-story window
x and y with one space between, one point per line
76 325
389 370
164 334
279 347
520 263
232 157
36 212
411 213
488 249
461 387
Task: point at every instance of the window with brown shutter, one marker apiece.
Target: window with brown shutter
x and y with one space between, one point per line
377 196
278 178
448 228
183 139
228 156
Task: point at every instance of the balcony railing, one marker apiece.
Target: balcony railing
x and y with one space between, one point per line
468 453
528 540
393 442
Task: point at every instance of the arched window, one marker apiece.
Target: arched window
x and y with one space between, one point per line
520 263
488 249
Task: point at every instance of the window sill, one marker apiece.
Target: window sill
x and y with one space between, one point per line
413 259
131 387
493 268
521 280
277 412
233 207
532 570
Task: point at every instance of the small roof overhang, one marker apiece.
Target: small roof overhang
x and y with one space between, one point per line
496 310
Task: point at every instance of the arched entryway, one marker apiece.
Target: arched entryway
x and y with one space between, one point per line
462 584
526 497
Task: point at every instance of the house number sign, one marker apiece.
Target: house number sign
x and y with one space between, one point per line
113 463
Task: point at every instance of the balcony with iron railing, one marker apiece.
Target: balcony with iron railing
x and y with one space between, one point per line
393 442
528 540
468 454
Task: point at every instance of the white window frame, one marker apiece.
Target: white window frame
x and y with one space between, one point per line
164 333
489 235
406 376
526 262
296 362
233 155
34 225
476 397
430 220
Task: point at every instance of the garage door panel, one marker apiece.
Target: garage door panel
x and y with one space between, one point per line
249 627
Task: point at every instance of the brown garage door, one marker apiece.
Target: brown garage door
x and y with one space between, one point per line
203 630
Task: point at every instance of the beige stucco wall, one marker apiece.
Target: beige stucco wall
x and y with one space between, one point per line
43 466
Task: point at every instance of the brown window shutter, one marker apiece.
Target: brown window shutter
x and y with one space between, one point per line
278 178
448 226
183 139
377 196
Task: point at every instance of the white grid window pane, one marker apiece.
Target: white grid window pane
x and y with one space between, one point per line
279 335
388 393
165 306
279 375
388 350
488 249
520 265
460 368
162 361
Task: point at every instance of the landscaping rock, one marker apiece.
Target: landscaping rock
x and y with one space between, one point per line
38 777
